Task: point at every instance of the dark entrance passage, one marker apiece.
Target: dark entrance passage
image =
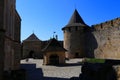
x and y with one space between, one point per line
54 59
31 54
77 55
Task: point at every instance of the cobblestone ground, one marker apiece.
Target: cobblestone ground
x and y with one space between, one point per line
71 69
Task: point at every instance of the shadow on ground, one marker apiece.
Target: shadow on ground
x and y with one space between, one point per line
69 65
54 78
33 73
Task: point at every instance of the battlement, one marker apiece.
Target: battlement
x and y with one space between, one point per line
107 24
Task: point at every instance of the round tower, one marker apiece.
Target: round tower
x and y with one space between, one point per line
74 37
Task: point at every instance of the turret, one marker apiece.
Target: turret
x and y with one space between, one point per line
74 36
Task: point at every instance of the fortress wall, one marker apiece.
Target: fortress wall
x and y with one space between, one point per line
107 24
116 22
107 36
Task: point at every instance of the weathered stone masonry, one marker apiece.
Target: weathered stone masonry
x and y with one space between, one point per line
107 35
10 24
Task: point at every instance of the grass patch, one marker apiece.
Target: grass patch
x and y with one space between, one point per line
94 60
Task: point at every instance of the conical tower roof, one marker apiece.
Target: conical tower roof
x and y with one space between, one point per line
32 37
53 45
75 20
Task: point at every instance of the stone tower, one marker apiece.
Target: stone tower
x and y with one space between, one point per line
74 36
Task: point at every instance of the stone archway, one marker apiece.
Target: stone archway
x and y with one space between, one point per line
54 59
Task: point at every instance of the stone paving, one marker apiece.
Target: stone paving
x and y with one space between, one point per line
49 72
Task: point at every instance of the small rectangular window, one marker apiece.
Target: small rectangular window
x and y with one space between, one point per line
69 29
76 28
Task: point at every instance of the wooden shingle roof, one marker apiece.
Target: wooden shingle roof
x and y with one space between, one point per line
75 20
53 45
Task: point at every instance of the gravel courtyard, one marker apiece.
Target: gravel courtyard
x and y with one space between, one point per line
49 72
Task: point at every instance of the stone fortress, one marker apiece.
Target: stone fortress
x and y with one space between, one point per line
80 40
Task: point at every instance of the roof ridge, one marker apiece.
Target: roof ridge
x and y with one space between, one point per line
32 37
53 45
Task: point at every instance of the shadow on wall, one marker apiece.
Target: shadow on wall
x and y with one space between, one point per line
33 73
90 43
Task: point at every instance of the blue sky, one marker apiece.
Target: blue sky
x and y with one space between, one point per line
43 17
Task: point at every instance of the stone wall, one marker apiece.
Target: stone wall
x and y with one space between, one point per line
17 55
2 34
1 53
34 46
17 28
107 24
9 45
90 44
107 36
